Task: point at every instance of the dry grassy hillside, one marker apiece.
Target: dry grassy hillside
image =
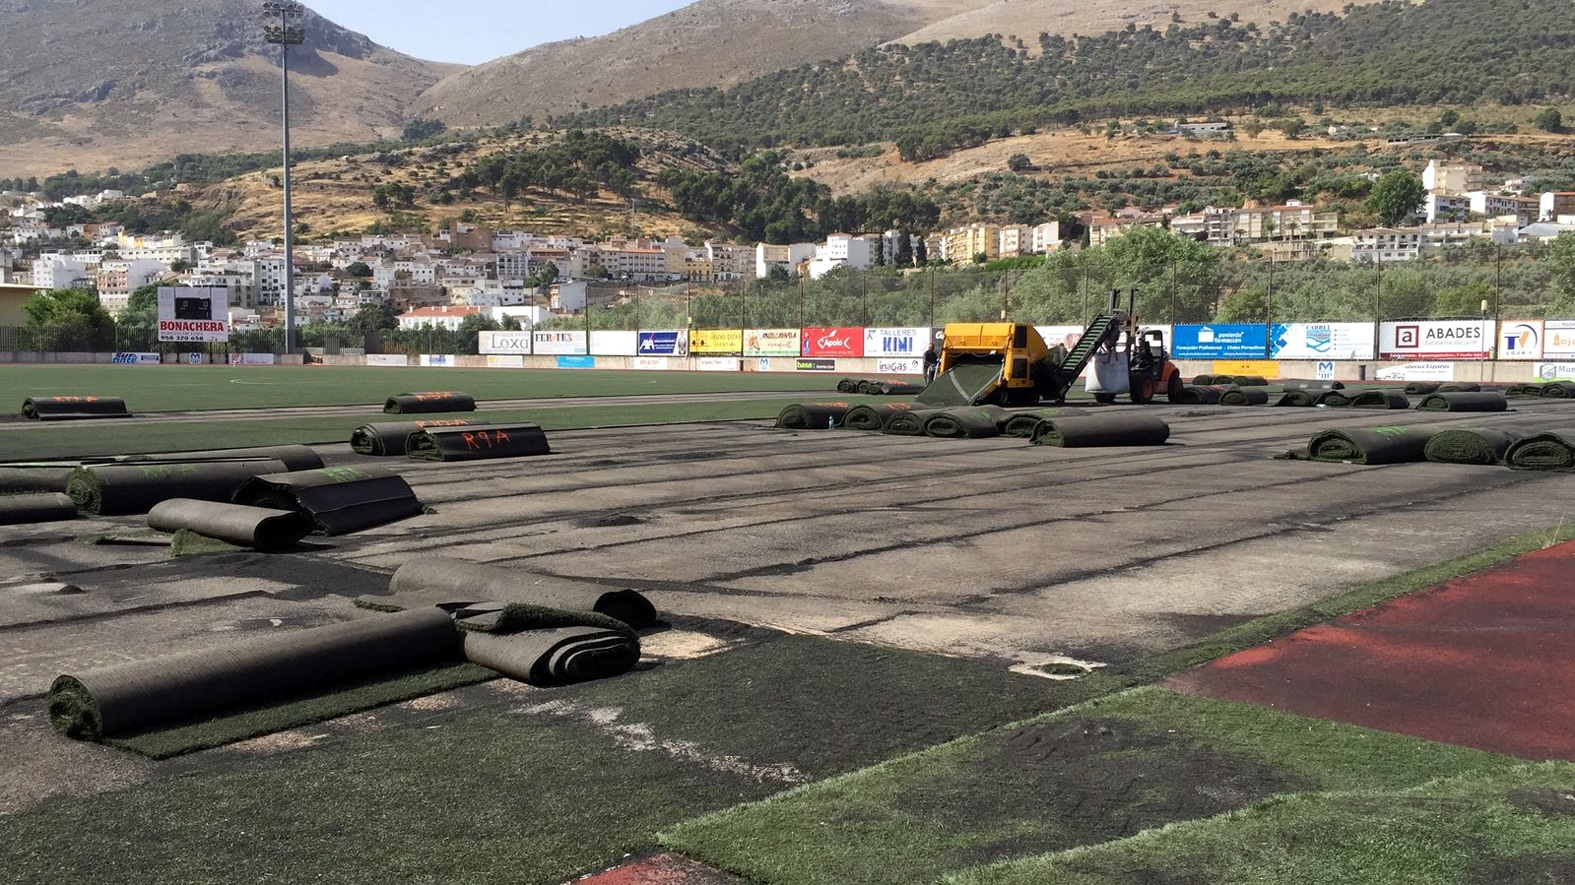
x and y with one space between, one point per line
1028 18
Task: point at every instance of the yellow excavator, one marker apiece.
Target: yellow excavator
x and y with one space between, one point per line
1010 364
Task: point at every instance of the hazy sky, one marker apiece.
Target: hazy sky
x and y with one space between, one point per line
474 31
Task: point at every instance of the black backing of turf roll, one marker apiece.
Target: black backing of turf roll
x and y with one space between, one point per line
966 422
1199 395
1244 396
1422 388
1459 387
1335 399
1022 424
1311 384
36 507
1084 431
73 408
128 697
1465 401
1374 445
119 489
898 388
462 579
387 438
260 528
293 457
1559 389
1379 399
477 442
339 499
873 416
556 656
1542 451
430 401
1472 445
1299 398
19 480
812 416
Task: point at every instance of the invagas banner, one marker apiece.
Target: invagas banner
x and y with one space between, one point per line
189 313
1321 341
1435 339
664 343
771 342
845 341
904 342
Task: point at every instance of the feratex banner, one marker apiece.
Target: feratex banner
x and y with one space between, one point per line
564 342
1558 339
717 342
613 343
504 342
771 342
1520 340
1435 339
1221 341
844 341
190 313
1321 341
664 343
896 342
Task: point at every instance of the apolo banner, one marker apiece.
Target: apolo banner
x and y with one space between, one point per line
841 341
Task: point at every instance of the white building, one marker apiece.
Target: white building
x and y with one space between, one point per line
62 271
841 250
1451 179
787 258
443 316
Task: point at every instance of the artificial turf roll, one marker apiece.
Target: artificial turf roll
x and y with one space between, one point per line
431 401
257 527
457 579
896 388
812 416
119 489
1523 390
128 697
1300 398
18 479
1374 445
1542 451
73 408
293 457
1559 389
873 416
1022 424
1465 401
1422 388
1471 445
338 499
1311 384
909 423
1248 380
1459 387
385 438
966 422
1211 380
1101 430
1244 396
36 507
1200 395
476 442
1379 399
554 656
848 385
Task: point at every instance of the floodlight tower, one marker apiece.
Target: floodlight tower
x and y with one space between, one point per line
288 32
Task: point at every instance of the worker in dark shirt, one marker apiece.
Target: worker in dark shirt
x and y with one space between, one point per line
931 361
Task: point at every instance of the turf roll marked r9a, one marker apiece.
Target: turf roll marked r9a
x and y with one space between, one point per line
476 442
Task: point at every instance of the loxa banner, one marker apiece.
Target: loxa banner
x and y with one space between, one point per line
663 343
1220 341
190 313
504 342
1435 339
564 342
1321 341
717 342
1520 340
842 341
900 342
771 342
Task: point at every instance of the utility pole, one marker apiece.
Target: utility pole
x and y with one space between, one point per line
1006 293
288 32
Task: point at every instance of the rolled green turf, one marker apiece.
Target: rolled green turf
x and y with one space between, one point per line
1248 380
897 388
1487 401
556 656
339 499
1542 451
1199 395
386 438
1422 388
1211 380
1459 387
1559 389
432 401
1376 445
1335 399
1299 398
73 408
293 457
1248 396
36 507
966 422
848 385
910 423
1523 390
16 480
128 697
1022 424
812 416
477 442
1471 445
438 577
1380 399
873 416
119 489
1102 430
255 527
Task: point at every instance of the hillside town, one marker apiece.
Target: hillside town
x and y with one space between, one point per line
438 279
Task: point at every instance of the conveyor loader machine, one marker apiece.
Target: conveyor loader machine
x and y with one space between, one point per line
1010 364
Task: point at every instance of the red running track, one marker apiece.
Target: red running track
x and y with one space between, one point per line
662 869
1484 661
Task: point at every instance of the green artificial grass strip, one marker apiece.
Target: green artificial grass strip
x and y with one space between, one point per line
177 740
1510 826
79 441
514 617
186 542
1084 775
